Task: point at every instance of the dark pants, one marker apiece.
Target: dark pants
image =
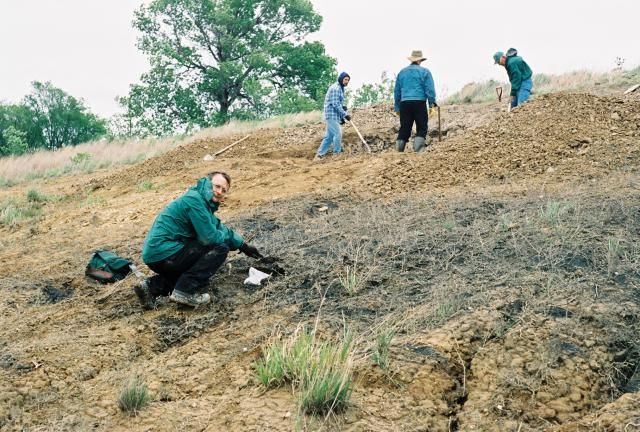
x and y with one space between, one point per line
413 111
188 270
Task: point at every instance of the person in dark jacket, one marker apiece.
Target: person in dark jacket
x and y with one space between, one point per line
187 244
519 74
414 88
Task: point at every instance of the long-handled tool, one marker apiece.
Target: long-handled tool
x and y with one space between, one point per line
219 152
439 126
364 143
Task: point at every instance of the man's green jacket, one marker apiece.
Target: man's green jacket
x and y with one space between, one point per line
187 218
518 71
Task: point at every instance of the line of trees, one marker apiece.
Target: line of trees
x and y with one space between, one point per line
47 118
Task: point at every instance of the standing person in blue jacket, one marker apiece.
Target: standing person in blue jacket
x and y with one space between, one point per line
519 74
187 244
414 88
335 113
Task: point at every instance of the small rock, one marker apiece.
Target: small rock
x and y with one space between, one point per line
615 116
208 157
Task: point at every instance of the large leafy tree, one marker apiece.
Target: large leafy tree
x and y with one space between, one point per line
212 60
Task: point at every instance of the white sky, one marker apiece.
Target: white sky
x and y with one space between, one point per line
87 47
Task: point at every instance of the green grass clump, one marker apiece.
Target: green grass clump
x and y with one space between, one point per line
270 369
351 280
327 380
13 211
380 354
145 185
35 196
134 396
320 371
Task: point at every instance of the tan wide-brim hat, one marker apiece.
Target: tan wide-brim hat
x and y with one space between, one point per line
416 56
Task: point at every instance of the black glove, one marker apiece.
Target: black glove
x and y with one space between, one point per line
434 104
250 251
347 117
344 107
342 122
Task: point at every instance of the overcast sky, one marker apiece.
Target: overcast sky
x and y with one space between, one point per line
87 47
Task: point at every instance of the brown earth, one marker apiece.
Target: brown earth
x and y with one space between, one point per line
505 258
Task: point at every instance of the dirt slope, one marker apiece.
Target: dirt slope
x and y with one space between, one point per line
505 258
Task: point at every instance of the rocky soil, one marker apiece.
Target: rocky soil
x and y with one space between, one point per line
505 259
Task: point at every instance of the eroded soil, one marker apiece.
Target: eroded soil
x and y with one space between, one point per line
505 259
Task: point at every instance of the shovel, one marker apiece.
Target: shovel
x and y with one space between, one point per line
364 143
219 152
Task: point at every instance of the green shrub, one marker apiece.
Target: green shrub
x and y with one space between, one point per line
133 397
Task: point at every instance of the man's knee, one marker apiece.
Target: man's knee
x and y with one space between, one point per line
219 250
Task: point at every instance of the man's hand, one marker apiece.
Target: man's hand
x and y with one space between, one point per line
434 104
250 251
344 107
347 117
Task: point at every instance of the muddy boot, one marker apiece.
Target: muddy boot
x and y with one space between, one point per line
419 144
400 145
193 300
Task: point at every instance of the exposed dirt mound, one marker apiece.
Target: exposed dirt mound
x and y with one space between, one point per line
504 259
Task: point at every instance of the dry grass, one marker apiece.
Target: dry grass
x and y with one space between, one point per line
582 80
92 156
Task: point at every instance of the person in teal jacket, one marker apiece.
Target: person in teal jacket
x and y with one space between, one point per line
413 90
519 74
187 244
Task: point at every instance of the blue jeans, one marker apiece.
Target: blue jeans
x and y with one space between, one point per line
523 93
332 137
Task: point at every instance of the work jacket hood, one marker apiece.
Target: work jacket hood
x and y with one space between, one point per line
341 77
205 189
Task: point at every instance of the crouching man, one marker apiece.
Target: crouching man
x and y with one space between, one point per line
187 244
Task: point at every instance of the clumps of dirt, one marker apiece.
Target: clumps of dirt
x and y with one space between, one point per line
377 124
559 135
171 330
51 295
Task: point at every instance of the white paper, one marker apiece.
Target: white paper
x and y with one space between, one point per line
255 277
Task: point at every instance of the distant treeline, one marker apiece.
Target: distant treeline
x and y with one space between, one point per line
47 118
